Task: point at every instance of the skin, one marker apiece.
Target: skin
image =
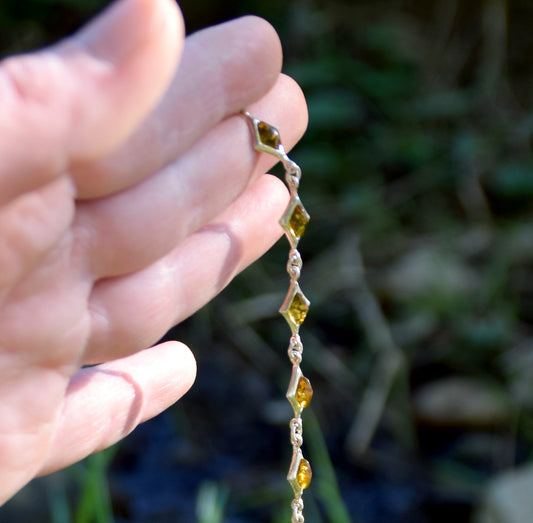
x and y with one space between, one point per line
130 195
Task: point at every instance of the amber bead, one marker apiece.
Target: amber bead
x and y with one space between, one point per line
304 392
268 135
304 474
298 221
298 309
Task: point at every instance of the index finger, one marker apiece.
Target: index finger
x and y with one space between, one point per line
223 69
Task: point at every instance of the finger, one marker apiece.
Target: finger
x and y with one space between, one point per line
134 228
81 98
105 403
223 69
30 226
134 311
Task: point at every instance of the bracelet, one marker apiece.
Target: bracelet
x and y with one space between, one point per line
294 308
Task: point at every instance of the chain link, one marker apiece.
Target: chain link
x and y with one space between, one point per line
294 264
293 173
297 430
297 506
295 350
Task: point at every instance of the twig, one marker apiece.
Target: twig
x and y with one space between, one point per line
390 360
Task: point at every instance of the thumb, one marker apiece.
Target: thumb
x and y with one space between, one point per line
81 98
105 402
129 55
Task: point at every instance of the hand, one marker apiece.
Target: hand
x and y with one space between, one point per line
130 195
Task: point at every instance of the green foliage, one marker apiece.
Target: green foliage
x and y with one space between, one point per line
325 483
34 23
91 502
210 503
94 505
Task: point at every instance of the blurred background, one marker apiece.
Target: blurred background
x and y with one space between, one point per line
418 261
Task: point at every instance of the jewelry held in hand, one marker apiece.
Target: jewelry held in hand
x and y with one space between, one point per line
294 308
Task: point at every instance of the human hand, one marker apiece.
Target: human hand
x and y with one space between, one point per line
129 197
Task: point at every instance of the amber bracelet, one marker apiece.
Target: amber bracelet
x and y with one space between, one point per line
294 308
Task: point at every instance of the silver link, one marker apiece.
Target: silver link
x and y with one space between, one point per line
294 264
296 427
295 349
295 356
297 506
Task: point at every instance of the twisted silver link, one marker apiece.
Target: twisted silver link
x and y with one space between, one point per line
297 429
294 264
297 506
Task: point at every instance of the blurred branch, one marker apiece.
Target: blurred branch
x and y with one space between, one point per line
390 360
253 347
494 20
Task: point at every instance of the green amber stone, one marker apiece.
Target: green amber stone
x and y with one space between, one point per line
298 308
298 221
268 135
